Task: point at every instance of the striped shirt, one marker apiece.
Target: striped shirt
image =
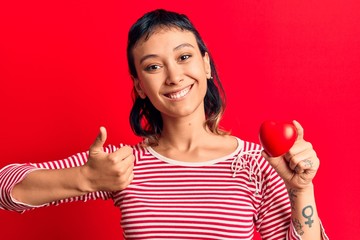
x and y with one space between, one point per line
224 198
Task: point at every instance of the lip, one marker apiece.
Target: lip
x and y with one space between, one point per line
179 94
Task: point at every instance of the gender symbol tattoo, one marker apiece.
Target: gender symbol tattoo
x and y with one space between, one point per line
308 163
308 214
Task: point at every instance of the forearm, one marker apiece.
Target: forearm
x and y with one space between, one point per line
44 186
304 213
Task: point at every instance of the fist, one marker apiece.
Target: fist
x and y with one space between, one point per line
299 165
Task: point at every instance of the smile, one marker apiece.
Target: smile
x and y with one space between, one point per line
179 94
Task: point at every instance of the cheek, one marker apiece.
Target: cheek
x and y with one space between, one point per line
149 86
200 68
200 74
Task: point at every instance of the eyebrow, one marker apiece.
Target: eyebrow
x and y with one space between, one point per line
177 48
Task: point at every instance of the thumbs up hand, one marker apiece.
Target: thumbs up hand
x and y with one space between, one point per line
107 171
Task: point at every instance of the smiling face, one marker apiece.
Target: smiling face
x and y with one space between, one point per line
172 72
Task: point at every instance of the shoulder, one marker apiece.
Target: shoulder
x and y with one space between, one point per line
250 146
246 146
250 153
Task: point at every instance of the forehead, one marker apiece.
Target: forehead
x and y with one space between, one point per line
164 39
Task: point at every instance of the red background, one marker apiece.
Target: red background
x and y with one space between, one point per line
63 73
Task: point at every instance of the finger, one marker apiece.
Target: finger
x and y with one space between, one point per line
121 154
129 170
299 147
304 165
123 167
127 177
128 162
299 129
295 160
100 140
128 180
277 163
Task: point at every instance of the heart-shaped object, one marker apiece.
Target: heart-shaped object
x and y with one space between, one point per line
277 137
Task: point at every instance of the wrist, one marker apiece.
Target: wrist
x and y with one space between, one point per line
84 182
301 190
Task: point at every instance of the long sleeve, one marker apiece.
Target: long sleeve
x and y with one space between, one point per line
12 174
9 176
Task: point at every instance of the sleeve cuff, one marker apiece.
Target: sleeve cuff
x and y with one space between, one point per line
9 177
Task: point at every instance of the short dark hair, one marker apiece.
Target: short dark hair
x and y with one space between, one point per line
145 119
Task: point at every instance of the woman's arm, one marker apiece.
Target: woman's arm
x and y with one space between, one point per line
49 185
297 168
99 170
304 214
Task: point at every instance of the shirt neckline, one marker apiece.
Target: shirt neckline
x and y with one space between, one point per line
240 145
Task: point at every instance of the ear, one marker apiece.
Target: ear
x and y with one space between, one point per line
207 65
138 88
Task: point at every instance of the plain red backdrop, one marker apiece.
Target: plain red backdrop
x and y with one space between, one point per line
63 74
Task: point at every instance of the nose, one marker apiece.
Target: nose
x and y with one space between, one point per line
174 74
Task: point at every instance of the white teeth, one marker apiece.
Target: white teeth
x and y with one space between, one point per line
179 94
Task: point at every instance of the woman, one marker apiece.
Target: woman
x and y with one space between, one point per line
188 179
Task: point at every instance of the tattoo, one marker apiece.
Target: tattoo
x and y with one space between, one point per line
308 163
307 213
298 227
292 196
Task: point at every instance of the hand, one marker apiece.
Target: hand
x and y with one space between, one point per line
299 165
108 171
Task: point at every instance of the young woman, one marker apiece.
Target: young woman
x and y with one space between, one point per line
188 179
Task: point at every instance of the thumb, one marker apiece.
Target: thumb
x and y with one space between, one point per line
99 141
299 130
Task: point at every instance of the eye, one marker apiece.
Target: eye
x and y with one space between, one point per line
184 57
152 68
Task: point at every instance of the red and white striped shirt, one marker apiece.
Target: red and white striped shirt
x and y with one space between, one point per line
224 198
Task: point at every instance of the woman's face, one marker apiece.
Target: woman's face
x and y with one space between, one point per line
172 72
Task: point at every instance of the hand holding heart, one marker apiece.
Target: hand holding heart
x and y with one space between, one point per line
108 171
298 166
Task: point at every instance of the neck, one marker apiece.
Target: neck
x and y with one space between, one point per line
184 133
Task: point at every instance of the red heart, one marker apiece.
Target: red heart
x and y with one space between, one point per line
277 137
